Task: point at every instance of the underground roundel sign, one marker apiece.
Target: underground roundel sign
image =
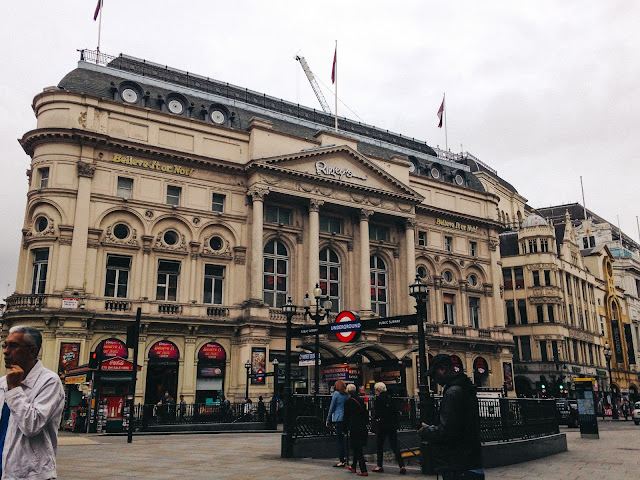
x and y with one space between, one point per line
350 329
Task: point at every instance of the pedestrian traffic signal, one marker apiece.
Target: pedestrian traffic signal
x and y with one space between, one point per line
93 360
543 386
561 387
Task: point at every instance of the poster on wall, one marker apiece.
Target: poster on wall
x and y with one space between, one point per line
69 356
507 371
258 359
212 351
164 350
457 363
112 347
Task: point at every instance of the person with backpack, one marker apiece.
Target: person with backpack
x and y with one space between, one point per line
385 425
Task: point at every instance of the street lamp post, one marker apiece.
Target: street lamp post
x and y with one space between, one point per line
320 313
614 407
247 366
419 291
286 449
275 363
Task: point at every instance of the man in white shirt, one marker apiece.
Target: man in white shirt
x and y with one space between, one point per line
32 400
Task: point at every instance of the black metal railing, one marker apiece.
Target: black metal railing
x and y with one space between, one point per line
501 419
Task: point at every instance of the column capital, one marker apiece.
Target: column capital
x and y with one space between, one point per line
257 193
365 214
410 223
314 204
85 169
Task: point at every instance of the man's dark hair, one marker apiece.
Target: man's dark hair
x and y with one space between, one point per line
33 334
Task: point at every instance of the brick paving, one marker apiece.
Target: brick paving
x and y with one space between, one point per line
257 456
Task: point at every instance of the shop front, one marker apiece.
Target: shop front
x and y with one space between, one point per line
211 373
162 372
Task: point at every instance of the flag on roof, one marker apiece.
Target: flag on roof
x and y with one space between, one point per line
440 112
95 14
335 65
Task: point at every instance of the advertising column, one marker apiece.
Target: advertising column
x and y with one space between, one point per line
586 408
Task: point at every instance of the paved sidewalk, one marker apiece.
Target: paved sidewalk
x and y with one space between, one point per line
257 456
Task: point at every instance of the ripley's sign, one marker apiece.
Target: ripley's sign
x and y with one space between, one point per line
153 165
337 172
456 225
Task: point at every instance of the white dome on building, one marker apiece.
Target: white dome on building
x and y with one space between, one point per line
534 220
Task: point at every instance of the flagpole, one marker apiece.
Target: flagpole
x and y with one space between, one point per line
336 87
446 139
99 31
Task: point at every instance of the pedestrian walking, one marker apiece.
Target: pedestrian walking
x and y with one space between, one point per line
32 399
355 420
625 409
385 425
183 408
335 416
455 440
262 409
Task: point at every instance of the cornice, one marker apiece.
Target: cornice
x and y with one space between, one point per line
448 213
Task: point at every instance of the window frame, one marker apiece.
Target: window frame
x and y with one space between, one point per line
474 312
449 309
279 296
43 179
218 206
279 211
377 230
118 273
374 275
326 282
448 243
215 279
422 238
473 248
178 196
40 269
167 277
120 188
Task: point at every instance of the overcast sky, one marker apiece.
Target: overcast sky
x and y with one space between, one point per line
541 91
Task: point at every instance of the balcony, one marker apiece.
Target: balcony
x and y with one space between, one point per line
169 309
117 306
217 312
17 302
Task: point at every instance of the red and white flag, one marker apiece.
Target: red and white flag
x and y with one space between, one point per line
335 65
95 14
440 112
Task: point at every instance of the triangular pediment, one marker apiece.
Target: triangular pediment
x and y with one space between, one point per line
338 165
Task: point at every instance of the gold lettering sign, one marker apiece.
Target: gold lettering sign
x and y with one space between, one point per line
456 225
153 165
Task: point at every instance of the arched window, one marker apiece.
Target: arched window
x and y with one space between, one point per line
276 273
330 277
379 300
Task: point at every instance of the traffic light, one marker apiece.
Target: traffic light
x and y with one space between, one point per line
93 360
543 386
131 336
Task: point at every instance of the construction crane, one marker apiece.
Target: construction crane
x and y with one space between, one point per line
314 84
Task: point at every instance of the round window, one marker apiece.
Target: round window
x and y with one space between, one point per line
422 272
121 231
175 106
129 95
435 173
41 224
473 280
459 179
217 116
448 276
215 243
170 237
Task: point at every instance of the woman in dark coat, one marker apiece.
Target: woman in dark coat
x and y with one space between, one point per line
355 419
386 425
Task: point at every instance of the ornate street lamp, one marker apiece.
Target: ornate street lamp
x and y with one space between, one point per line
419 291
320 313
247 366
286 449
275 363
607 357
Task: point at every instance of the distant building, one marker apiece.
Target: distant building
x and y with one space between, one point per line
206 205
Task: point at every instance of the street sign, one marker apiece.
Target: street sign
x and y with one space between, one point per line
308 359
369 324
347 326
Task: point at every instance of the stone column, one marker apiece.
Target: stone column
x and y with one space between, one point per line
365 275
193 294
410 225
144 291
77 261
257 196
314 243
463 305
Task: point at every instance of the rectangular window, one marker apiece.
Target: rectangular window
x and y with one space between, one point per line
550 314
543 351
173 195
544 245
213 283
533 245
422 239
511 313
568 281
116 284
473 249
217 202
167 287
540 313
585 242
575 350
330 224
522 311
547 277
44 177
519 277
554 351
525 341
602 325
536 278
590 354
276 214
474 312
449 308
592 241
516 349
40 265
379 232
125 187
448 243
507 278
570 314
